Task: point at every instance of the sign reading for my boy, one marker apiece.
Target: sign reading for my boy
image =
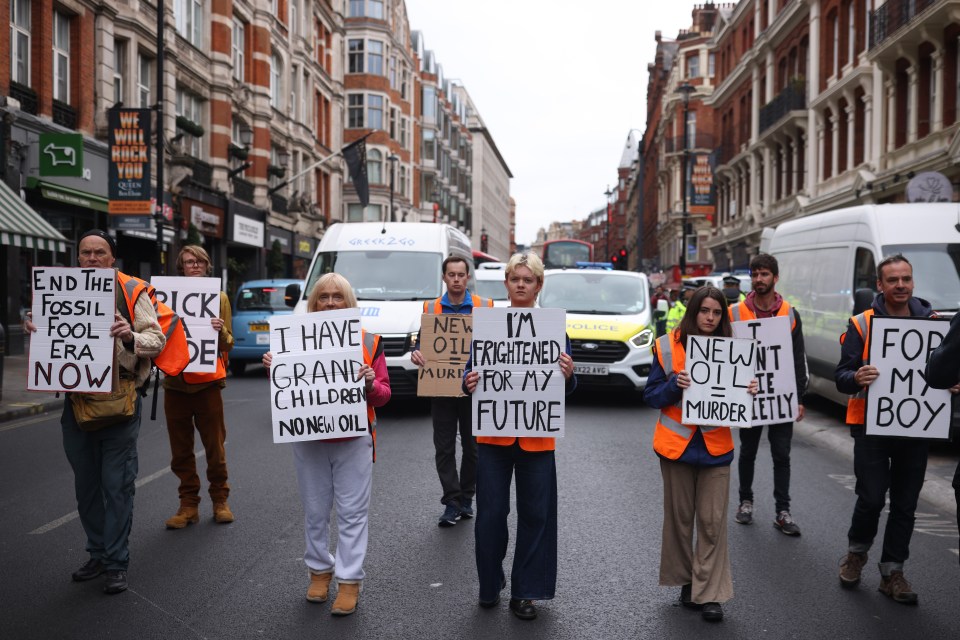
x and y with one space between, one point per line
720 370
777 400
314 390
899 402
196 301
521 391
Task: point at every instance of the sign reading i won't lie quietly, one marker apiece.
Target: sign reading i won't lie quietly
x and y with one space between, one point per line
776 401
196 301
720 371
315 393
73 310
521 391
899 402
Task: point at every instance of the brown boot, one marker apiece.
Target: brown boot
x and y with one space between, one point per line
184 516
319 587
222 513
347 596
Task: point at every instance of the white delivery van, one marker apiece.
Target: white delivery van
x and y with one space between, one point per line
825 258
393 268
491 278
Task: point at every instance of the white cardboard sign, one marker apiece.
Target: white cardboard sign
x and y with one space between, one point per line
196 301
315 393
899 402
776 401
521 391
720 370
73 310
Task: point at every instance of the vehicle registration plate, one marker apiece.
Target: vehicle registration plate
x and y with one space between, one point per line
591 369
263 326
263 338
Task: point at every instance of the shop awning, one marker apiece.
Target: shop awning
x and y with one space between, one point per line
21 226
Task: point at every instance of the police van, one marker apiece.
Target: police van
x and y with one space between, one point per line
393 268
609 322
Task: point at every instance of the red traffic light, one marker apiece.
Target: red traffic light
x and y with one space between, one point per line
623 253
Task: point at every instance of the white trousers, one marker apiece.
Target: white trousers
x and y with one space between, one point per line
341 471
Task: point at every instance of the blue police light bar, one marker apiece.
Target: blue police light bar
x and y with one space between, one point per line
595 265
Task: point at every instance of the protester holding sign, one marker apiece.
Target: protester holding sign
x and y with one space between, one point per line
695 465
763 301
193 401
340 470
452 415
880 462
534 574
104 460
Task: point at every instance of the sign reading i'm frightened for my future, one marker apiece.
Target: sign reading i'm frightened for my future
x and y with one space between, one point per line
73 310
899 402
720 370
521 391
314 390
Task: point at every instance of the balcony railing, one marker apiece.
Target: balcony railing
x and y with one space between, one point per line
26 96
278 203
886 20
674 144
793 98
202 172
243 190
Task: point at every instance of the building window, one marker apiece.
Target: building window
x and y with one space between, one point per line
429 145
429 104
691 130
356 9
144 76
868 8
366 8
851 34
237 49
375 58
295 92
355 111
836 45
20 41
374 166
374 112
404 126
693 66
190 106
393 73
276 68
119 68
404 81
357 213
375 9
294 18
61 57
188 17
711 65
355 56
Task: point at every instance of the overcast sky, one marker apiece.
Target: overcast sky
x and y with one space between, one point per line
559 84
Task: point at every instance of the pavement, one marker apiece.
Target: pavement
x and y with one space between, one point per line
15 400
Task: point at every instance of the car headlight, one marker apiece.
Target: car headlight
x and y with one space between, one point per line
643 340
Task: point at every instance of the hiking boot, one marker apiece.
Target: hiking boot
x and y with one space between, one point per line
785 523
897 587
184 516
450 515
90 570
466 508
319 587
116 582
222 513
850 569
347 597
745 512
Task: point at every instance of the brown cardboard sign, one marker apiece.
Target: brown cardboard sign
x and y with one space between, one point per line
445 346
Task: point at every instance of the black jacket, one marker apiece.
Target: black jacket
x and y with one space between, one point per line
943 367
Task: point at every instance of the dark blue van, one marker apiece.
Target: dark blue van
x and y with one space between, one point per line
256 301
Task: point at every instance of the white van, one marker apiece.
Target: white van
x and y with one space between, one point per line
393 268
490 283
825 258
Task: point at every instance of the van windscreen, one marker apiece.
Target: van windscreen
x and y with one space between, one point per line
383 275
936 272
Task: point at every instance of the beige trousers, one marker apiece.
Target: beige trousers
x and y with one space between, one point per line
700 493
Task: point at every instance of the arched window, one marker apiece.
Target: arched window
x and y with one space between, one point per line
374 166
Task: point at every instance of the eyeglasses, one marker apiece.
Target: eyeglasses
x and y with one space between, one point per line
326 297
194 263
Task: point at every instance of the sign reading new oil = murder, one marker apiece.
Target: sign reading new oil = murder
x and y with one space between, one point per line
316 392
445 346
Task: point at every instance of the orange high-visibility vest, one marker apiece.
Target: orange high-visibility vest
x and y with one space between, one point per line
741 311
175 354
438 308
671 436
857 403
193 377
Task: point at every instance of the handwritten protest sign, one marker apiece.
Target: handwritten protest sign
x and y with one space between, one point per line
899 402
314 391
445 345
521 391
196 301
72 349
777 400
721 370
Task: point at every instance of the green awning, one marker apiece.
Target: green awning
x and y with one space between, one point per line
21 226
70 196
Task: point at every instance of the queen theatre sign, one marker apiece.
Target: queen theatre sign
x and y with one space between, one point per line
248 231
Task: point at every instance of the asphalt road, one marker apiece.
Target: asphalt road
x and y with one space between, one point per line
247 579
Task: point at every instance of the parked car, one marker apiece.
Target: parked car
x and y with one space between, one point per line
255 302
490 283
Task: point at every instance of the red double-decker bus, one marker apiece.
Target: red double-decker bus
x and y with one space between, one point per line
479 257
566 252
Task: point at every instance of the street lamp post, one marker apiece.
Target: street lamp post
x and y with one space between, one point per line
393 169
608 193
685 90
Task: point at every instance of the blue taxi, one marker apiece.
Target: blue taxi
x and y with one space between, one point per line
255 302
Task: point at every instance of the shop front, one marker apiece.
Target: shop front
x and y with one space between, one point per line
245 241
203 212
303 249
278 266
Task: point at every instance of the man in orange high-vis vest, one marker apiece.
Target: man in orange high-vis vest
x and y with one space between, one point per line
193 401
880 462
452 415
763 301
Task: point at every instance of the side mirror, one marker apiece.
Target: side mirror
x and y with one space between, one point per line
862 300
291 295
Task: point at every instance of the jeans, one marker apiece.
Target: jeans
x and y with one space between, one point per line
880 463
105 468
534 574
452 416
779 436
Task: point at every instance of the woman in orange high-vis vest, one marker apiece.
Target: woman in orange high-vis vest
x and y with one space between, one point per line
534 574
339 471
193 401
695 465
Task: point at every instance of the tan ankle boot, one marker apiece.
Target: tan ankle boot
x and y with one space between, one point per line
319 587
222 513
184 516
347 596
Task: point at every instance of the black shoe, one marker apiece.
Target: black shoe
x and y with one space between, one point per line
523 609
450 515
712 611
89 571
686 597
116 582
490 604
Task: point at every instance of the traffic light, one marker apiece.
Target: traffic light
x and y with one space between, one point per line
614 258
483 242
623 259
